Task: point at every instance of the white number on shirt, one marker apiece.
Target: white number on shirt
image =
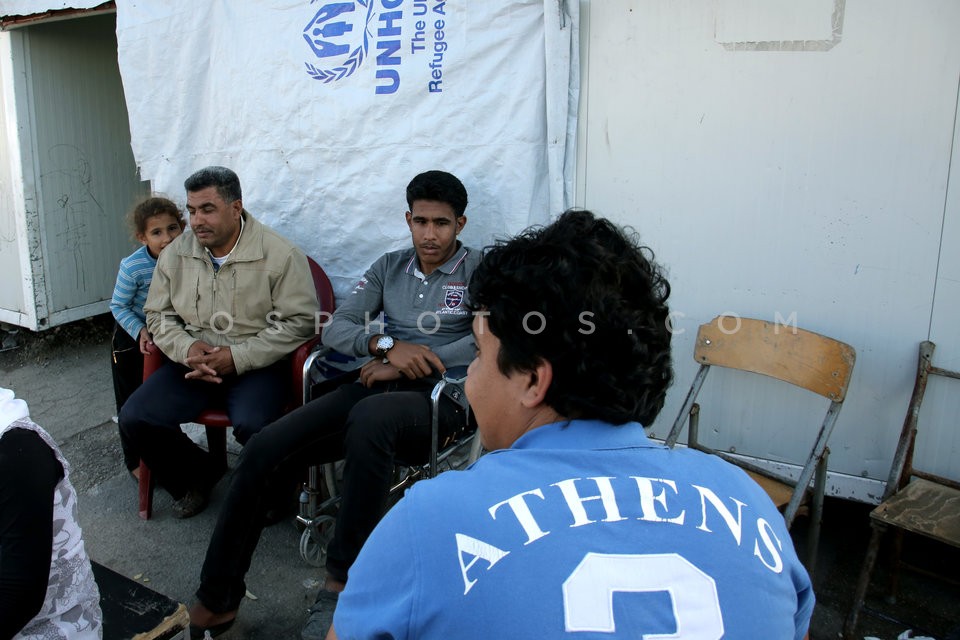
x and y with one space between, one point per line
588 593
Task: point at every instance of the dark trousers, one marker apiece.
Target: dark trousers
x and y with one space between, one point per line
126 364
152 416
369 428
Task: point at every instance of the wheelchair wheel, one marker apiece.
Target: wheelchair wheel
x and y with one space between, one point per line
314 540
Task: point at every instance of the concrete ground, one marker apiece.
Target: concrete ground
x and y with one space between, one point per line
64 375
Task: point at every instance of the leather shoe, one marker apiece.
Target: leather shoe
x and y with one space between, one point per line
192 503
208 628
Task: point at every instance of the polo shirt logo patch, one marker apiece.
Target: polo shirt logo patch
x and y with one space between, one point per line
453 298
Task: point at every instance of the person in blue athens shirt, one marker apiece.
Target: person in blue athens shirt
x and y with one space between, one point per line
422 293
575 524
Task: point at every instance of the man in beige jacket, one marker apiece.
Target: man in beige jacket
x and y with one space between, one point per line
227 304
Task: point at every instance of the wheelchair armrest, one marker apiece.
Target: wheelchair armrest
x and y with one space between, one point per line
302 360
456 375
452 386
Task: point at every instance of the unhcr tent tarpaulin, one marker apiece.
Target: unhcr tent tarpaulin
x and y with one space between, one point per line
326 110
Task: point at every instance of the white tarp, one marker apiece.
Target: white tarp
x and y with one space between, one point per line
326 111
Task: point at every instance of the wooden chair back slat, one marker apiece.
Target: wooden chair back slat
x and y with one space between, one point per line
803 358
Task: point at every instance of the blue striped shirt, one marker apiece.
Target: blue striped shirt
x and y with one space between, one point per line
130 292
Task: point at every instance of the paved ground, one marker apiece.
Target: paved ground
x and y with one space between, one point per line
64 375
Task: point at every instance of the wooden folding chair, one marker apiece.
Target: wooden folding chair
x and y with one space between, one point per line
801 358
913 501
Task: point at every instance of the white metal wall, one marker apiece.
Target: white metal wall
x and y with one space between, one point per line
940 405
85 172
788 160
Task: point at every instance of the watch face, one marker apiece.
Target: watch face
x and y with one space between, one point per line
384 344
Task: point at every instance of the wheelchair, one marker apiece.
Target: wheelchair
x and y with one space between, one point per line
319 495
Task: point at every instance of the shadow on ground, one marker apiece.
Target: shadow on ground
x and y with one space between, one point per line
929 606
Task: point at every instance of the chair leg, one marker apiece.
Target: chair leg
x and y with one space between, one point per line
850 624
816 512
693 426
310 493
145 491
330 479
895 567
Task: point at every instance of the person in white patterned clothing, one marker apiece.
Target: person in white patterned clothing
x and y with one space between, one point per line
47 589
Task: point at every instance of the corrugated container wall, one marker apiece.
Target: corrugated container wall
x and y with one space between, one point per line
68 173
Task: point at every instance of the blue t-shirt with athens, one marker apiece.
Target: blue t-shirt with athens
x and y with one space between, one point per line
581 530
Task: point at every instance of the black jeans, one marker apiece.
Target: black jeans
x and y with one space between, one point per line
152 416
126 364
369 428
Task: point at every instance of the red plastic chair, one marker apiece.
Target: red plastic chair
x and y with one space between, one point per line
215 419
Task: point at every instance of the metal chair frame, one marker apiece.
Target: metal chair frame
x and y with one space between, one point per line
795 356
317 514
913 501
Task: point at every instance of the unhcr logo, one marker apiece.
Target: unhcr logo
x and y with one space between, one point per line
339 36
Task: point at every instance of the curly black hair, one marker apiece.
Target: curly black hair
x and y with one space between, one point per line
149 207
582 294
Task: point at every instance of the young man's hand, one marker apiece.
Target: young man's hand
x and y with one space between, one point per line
376 371
414 360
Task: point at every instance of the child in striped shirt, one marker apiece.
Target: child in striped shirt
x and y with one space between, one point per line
156 222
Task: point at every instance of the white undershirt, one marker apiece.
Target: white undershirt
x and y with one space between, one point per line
219 261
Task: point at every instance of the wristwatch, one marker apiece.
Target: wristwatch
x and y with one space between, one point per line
384 344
